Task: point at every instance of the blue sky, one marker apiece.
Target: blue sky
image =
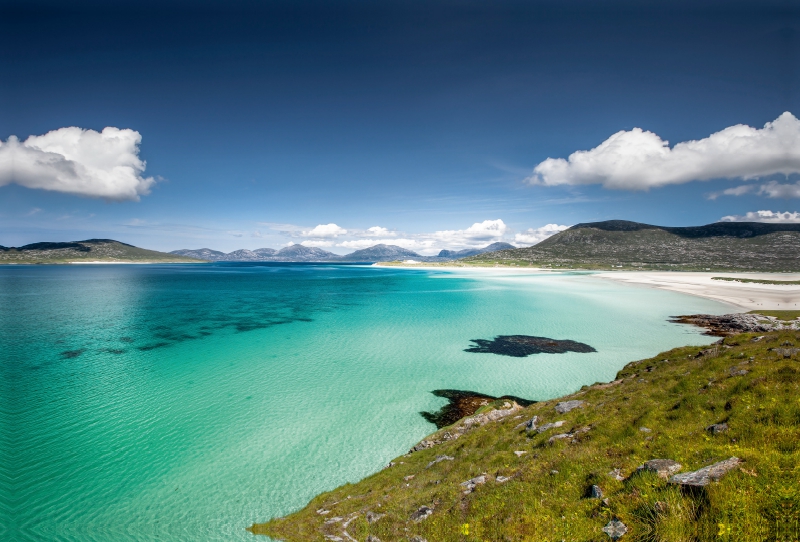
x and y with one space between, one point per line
260 121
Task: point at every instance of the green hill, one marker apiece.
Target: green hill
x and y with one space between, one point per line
615 244
91 250
491 477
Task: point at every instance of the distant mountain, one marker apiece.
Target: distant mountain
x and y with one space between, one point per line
381 253
201 254
241 255
90 250
721 246
456 254
300 253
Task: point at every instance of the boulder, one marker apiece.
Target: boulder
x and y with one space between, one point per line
717 428
565 406
702 477
664 468
423 512
549 426
470 485
595 492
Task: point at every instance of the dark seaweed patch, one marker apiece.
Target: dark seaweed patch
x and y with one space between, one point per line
520 346
153 346
69 354
461 403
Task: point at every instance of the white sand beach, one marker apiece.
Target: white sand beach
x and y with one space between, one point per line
747 296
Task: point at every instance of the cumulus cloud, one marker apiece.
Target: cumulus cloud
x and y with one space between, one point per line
325 230
377 231
487 231
774 189
764 216
536 235
640 160
76 161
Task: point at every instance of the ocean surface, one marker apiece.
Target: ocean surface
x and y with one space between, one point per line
185 402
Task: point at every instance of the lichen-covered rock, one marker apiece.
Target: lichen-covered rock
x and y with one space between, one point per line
717 428
470 485
423 512
702 477
595 492
615 529
565 406
664 468
548 426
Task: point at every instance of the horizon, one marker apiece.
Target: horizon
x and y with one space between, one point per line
241 125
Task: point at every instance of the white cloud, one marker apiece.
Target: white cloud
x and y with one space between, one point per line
480 233
763 216
536 235
325 230
235 233
256 234
737 191
639 160
76 161
317 244
377 231
774 189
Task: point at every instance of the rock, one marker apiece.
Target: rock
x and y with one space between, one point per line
565 406
739 372
422 513
606 502
440 458
372 538
337 519
732 324
322 511
520 453
463 403
333 538
424 445
615 529
645 430
717 428
502 479
664 468
616 474
560 436
520 346
549 426
409 477
530 425
372 517
472 483
571 435
417 539
595 492
787 352
702 477
553 472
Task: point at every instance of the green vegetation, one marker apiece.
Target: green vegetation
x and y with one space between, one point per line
621 245
92 250
657 408
758 281
787 316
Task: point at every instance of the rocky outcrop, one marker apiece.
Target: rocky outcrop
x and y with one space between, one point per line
463 403
731 324
702 477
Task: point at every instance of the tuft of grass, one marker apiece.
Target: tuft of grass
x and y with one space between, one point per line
749 385
786 316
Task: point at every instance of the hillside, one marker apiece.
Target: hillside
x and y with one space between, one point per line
90 250
723 246
494 247
694 444
380 253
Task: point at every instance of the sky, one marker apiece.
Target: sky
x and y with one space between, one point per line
426 124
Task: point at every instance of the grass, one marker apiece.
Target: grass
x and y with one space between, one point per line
786 316
759 281
676 395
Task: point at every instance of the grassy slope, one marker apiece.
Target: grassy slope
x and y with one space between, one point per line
591 248
676 394
99 251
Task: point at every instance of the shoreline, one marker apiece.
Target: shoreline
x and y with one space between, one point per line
743 296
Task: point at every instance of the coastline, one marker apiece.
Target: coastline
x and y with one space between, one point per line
743 296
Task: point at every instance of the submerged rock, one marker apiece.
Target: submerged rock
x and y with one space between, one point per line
520 346
702 477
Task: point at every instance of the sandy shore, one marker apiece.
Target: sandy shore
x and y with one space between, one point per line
744 296
747 296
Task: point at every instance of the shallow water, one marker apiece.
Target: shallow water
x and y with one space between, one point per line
176 402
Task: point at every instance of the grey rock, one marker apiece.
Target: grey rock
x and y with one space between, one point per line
470 485
553 472
616 474
519 453
664 468
560 436
422 513
595 492
549 426
417 539
502 479
372 538
615 529
372 517
565 406
334 538
337 519
530 425
717 428
322 511
440 458
645 430
702 477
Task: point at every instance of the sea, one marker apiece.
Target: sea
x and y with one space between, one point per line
186 402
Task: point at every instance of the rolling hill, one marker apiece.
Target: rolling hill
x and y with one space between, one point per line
615 244
90 250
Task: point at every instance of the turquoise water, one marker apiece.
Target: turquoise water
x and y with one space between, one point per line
180 402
